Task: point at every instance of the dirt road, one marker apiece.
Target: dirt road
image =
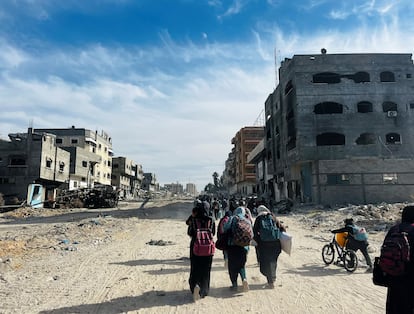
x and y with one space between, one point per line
135 260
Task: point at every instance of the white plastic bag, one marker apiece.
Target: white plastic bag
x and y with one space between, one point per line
286 242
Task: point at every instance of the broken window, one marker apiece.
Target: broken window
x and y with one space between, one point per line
330 138
17 161
411 105
48 162
366 139
364 106
61 166
389 178
84 163
361 77
59 141
387 76
326 77
288 87
328 107
393 138
335 178
74 141
389 106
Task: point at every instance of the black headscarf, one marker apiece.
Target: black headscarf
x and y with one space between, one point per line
408 214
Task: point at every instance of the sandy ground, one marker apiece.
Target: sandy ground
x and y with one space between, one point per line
135 260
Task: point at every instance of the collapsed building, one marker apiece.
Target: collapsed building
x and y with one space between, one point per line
339 129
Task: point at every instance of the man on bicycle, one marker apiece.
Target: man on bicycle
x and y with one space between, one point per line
357 239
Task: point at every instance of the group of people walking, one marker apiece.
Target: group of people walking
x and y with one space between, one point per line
236 231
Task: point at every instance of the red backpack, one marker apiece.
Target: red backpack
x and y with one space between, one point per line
204 243
395 253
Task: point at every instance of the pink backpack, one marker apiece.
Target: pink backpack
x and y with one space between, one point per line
204 243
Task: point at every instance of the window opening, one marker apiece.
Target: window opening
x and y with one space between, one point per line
337 179
364 106
326 139
387 76
328 108
366 139
326 77
389 178
389 106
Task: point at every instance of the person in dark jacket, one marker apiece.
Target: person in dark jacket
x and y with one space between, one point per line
200 265
354 244
267 252
400 293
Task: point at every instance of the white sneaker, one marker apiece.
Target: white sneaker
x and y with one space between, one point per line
245 285
196 293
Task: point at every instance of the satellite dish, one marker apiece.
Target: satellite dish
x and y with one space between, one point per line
323 51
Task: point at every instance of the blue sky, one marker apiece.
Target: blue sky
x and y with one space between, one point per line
172 81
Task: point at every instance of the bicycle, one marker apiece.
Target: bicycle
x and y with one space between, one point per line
347 257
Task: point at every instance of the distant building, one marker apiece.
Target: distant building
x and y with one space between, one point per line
127 177
175 188
242 172
340 129
91 155
32 158
149 182
191 189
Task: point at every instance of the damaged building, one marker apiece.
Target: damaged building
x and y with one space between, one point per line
32 167
339 129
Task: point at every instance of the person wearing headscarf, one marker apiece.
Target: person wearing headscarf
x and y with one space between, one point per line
200 268
400 292
267 252
237 255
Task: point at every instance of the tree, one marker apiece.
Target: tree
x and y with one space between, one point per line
216 179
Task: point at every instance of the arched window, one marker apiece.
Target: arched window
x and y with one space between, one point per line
328 107
364 106
393 138
387 76
326 139
389 106
366 139
361 77
327 77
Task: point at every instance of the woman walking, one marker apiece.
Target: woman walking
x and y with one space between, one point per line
200 265
266 234
237 253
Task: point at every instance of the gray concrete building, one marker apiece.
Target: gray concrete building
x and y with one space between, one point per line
339 129
32 158
127 177
91 155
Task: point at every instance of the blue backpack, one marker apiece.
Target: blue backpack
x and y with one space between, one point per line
268 231
359 233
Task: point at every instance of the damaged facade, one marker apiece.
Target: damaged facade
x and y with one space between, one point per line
32 165
339 129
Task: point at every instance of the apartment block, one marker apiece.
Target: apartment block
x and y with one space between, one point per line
32 158
90 153
127 177
340 129
244 142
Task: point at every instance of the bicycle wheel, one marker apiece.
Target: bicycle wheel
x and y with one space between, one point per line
328 254
350 260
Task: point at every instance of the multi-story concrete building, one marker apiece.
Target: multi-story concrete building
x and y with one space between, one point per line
175 188
244 142
339 128
91 155
191 189
127 177
149 183
32 158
